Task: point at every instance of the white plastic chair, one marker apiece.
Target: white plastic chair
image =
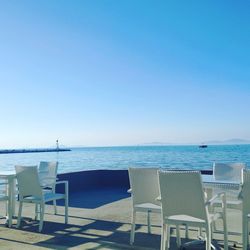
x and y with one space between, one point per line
144 190
229 172
47 172
183 202
245 194
30 191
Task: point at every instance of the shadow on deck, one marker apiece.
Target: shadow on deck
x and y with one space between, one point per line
99 218
88 199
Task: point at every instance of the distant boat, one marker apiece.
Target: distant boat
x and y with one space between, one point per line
203 146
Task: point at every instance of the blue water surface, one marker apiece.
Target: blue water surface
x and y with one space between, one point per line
174 157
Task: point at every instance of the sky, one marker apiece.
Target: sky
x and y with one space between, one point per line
110 73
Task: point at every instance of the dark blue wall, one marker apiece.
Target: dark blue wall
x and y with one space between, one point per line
98 179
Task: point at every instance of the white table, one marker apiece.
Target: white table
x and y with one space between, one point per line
10 177
210 182
231 187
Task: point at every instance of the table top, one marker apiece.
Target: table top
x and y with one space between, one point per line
7 174
211 181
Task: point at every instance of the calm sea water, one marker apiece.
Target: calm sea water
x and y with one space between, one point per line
179 157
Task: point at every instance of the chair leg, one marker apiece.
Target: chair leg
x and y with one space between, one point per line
66 203
225 232
6 209
41 217
208 238
55 208
186 233
66 210
200 232
164 236
54 201
244 233
168 237
212 232
6 205
247 234
19 214
224 218
149 223
9 213
36 211
132 233
178 237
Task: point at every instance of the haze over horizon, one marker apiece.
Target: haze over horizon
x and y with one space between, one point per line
123 72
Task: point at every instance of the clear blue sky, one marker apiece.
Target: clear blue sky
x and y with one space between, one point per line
104 72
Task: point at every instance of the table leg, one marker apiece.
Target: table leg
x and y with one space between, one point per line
11 201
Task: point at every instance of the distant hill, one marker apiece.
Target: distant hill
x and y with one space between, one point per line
155 144
230 141
212 142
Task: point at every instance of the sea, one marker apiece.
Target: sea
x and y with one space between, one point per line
166 157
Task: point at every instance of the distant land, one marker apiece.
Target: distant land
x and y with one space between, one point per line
212 142
156 144
230 141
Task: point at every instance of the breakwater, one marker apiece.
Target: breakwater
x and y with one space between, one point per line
35 150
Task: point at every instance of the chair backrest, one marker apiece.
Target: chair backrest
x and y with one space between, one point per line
228 171
144 184
245 192
28 181
182 194
48 169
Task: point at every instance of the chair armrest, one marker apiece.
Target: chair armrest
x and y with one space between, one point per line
129 191
62 182
221 195
158 198
240 195
66 186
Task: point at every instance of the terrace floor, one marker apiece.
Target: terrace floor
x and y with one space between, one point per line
97 220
